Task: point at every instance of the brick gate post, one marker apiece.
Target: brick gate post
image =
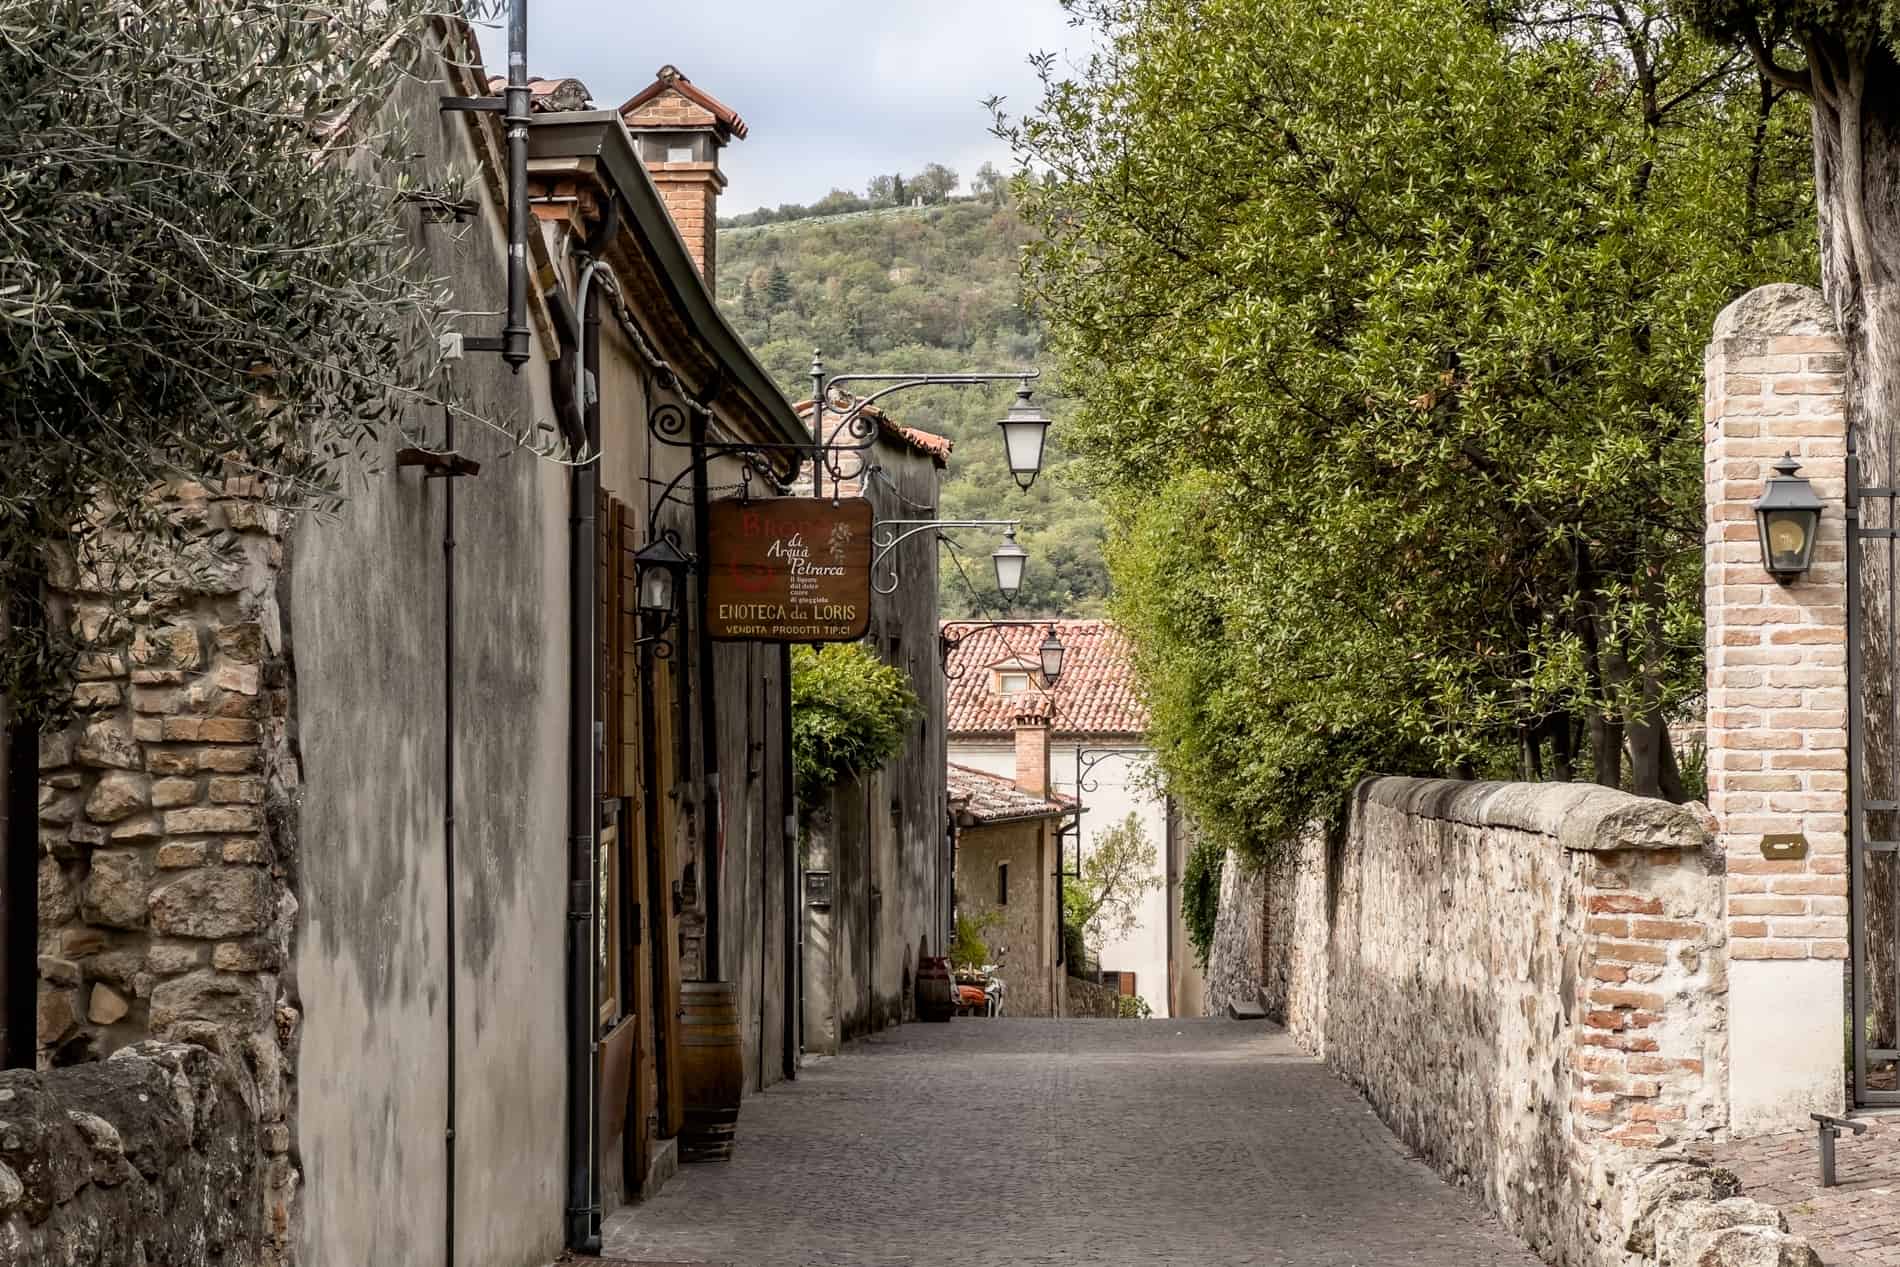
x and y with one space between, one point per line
1777 701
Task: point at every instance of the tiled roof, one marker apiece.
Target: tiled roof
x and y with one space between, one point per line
548 95
931 445
1095 695
670 77
989 798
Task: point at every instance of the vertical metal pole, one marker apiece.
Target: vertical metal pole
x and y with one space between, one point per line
1828 1135
817 424
1856 723
448 829
517 109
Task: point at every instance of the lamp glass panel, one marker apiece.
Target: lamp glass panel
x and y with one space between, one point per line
1009 570
1052 656
656 590
1788 539
1023 441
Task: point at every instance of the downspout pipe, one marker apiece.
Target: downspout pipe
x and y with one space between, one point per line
583 1215
794 1008
517 109
708 708
448 831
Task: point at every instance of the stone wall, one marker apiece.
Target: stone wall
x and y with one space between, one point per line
1527 982
1091 999
148 1157
1237 967
165 899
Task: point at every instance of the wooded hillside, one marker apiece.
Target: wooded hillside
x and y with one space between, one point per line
938 289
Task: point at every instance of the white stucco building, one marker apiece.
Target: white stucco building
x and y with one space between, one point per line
1099 730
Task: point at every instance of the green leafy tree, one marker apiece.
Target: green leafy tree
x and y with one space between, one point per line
1104 902
991 184
1389 373
207 267
934 183
850 712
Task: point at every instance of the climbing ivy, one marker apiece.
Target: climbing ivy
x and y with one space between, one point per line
1200 895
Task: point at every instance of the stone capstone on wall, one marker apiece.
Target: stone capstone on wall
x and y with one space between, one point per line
149 1157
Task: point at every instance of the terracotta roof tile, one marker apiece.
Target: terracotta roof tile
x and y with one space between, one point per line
989 798
1096 694
670 77
928 443
548 95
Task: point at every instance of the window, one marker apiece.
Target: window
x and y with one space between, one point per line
679 153
1002 884
1011 683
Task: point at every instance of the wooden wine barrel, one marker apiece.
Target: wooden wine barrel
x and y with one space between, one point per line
712 1072
936 996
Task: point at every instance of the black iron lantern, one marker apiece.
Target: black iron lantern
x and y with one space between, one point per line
1789 516
1052 652
658 566
1009 559
1024 429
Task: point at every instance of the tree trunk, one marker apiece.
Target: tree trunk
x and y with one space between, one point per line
1856 117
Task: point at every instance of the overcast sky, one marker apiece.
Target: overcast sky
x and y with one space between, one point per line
834 91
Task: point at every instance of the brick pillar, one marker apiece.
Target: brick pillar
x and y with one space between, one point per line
1777 683
1032 752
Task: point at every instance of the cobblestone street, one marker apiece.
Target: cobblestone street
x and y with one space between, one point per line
1856 1224
1042 1142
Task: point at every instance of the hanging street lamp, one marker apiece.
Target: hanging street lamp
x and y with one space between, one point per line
1052 653
1789 517
1024 427
1009 559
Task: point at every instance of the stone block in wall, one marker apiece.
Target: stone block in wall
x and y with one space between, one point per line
149 1157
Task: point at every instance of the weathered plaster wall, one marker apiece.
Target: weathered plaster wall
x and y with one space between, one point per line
148 1157
1528 982
883 836
364 622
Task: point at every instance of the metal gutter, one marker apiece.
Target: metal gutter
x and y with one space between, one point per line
601 136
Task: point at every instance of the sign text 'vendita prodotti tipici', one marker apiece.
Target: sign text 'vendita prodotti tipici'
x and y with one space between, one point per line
789 569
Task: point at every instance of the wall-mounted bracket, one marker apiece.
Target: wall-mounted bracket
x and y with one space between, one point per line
438 465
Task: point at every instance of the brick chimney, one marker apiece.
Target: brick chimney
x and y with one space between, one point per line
679 130
1032 752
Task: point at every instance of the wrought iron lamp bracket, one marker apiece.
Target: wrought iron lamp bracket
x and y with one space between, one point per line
891 533
1086 759
953 632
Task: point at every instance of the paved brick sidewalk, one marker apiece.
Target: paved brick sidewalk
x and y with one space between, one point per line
1022 1142
1856 1224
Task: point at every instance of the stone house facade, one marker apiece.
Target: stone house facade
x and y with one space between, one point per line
1008 846
879 843
1098 743
319 818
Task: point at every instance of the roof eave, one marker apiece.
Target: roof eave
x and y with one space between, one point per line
602 136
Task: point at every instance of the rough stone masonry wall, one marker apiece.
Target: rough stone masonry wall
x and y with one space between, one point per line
166 866
1528 983
144 1158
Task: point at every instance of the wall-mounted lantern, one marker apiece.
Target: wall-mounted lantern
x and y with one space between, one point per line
658 566
1789 516
1052 652
1025 427
1009 559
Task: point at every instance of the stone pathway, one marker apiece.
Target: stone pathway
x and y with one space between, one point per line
1021 1142
1855 1224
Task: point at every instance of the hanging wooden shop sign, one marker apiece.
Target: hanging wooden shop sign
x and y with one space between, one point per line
789 569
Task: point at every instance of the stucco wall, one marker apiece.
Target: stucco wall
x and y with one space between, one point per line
364 625
1527 982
